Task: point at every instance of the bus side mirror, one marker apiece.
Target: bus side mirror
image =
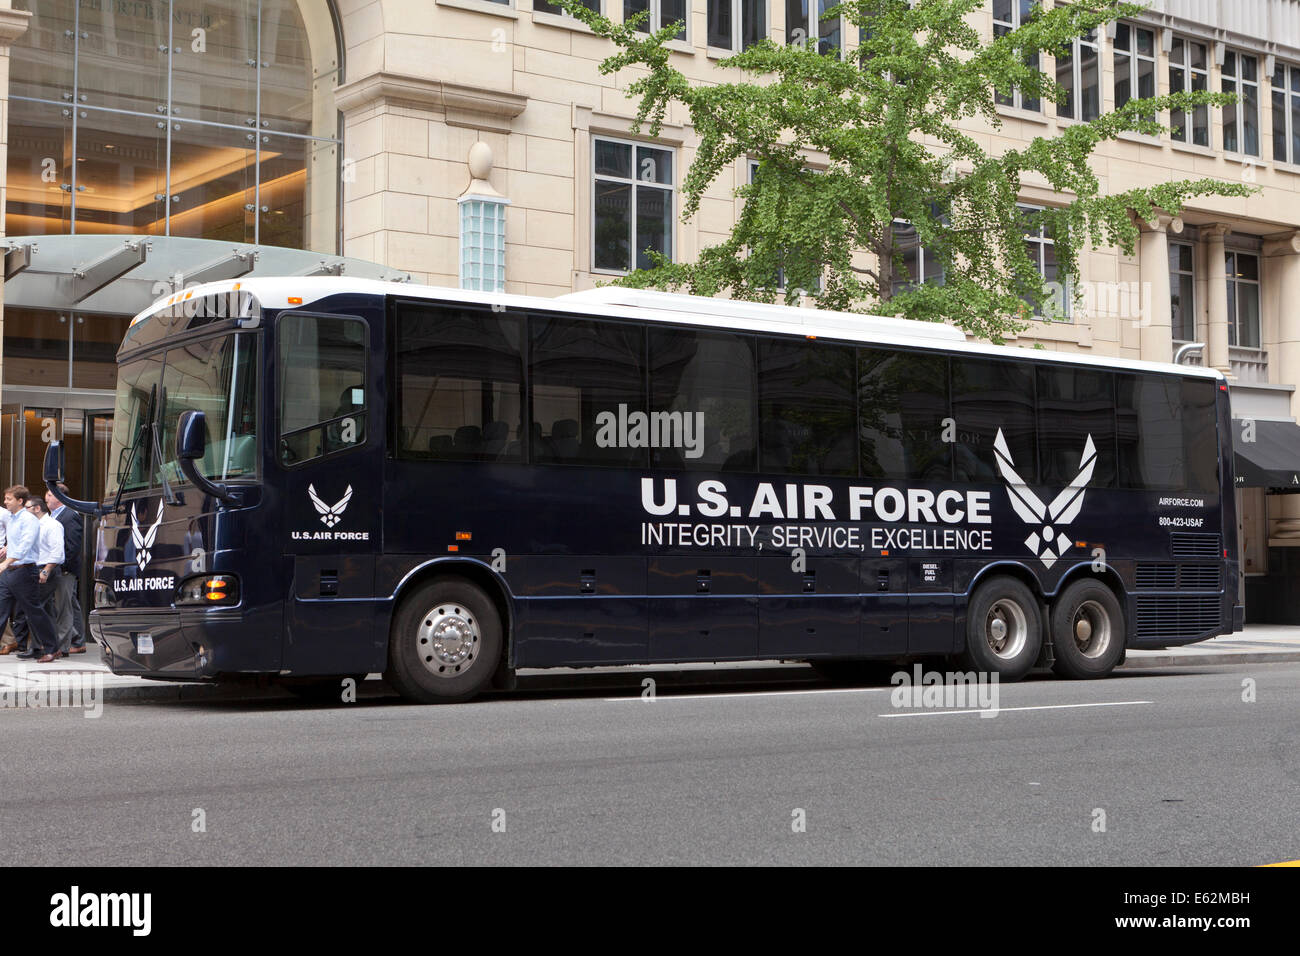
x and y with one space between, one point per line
191 443
53 470
191 436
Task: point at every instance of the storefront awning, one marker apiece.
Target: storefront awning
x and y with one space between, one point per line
1267 455
123 275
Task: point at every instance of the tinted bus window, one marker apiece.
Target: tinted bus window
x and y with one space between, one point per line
988 396
807 407
1200 435
1149 421
903 400
322 386
702 400
1074 404
588 392
459 386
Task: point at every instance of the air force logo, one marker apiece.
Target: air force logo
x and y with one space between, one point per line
330 515
143 540
1047 541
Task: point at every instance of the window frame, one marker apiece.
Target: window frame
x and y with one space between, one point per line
1188 85
812 26
560 11
1290 94
367 385
655 21
1135 59
737 27
1076 77
1239 108
923 254
1017 100
1232 278
1175 273
1042 240
671 189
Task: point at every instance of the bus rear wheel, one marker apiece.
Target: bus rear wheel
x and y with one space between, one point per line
1004 629
445 644
1087 631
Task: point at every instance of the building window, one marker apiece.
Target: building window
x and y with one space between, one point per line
1286 114
920 264
662 13
1182 291
1008 15
780 271
1135 63
483 243
804 23
736 24
1189 73
1243 300
1079 73
541 6
633 205
1041 248
1241 119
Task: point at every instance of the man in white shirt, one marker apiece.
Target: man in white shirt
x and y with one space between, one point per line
49 555
19 573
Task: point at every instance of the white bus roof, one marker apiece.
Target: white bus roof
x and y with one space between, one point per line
616 302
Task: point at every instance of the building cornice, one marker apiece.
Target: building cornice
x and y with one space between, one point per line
13 24
472 106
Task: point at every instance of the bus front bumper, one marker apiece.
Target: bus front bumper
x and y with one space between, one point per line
181 645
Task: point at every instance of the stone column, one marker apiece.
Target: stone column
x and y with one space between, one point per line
13 24
1216 275
1155 313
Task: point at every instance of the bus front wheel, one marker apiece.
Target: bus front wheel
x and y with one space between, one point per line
1087 631
445 643
1004 629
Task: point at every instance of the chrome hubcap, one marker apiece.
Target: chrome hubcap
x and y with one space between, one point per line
1006 629
448 639
1092 630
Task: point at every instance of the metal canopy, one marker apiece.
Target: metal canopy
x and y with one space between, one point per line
17 258
89 277
1271 459
122 275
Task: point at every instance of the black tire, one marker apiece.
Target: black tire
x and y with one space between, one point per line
855 673
324 690
1009 648
425 670
1088 630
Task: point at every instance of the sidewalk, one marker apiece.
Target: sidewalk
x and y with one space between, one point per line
1256 645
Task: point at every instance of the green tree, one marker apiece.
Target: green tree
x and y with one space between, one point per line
885 121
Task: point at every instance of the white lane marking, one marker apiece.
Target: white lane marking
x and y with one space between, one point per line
740 694
1003 710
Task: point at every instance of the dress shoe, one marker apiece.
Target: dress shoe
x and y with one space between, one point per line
9 649
77 650
26 655
49 658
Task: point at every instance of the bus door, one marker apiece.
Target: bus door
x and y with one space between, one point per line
329 449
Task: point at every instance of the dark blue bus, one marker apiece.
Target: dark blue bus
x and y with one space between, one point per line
321 477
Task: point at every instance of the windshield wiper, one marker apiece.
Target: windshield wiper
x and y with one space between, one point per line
135 446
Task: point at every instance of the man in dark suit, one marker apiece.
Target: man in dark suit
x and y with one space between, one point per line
67 606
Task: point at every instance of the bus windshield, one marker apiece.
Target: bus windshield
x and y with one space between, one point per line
214 376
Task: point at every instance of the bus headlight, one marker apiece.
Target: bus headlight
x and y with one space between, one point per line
208 589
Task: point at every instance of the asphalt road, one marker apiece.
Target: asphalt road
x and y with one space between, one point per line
1185 771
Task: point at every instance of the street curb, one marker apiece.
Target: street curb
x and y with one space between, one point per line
223 692
1196 660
